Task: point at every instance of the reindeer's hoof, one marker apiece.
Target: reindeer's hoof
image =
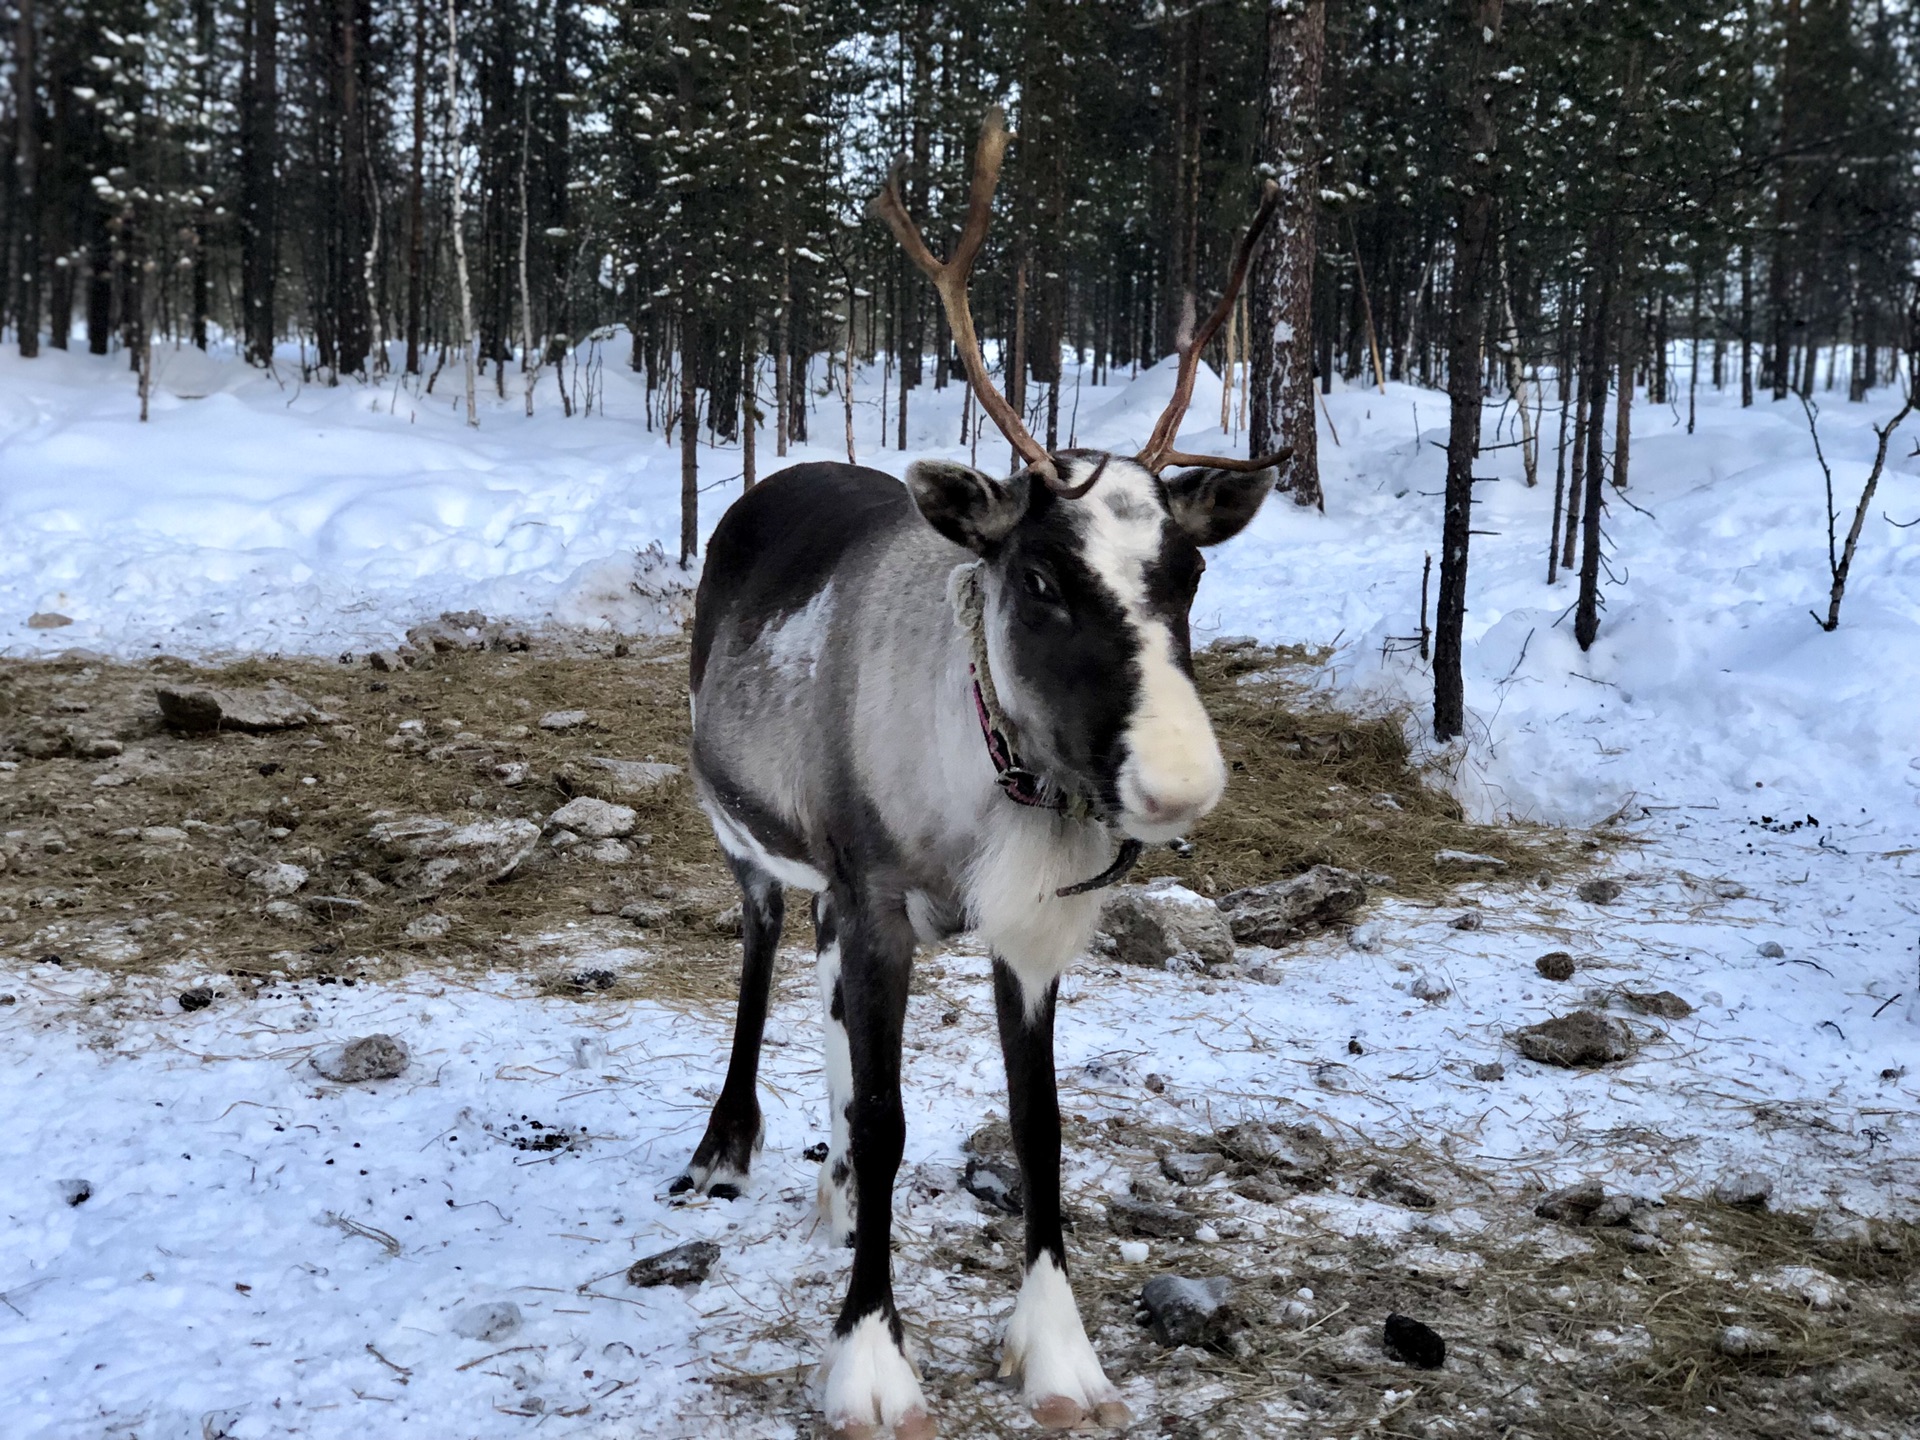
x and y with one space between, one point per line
681 1186
869 1386
1057 1412
724 1191
1113 1414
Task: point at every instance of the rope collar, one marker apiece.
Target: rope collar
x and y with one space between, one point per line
1018 783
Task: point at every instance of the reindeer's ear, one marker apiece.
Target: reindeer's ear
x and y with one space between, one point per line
967 507
1215 505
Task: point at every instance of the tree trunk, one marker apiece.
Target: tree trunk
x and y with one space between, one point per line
689 448
749 404
1466 326
416 190
1623 406
780 358
459 208
26 175
1586 621
259 190
1282 293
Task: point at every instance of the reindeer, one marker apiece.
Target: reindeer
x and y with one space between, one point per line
962 703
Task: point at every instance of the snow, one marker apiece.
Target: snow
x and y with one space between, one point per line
225 1279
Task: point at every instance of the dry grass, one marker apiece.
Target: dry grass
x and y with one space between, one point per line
1304 788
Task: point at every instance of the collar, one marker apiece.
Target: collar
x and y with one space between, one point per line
1020 784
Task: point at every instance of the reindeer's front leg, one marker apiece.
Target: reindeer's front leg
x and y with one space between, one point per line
1046 1346
867 1380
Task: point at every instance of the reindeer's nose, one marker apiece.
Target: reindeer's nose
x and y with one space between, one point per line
1161 795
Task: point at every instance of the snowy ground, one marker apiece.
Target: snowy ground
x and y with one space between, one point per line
187 1299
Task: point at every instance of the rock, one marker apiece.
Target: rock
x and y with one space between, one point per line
1495 1071
1186 1168
1152 923
1615 1210
495 1320
198 998
93 747
728 921
1467 860
163 835
996 1182
1572 1204
335 907
1555 965
1385 1184
1184 1311
1469 921
203 708
1663 1003
428 927
76 1192
48 620
1580 1040
384 661
687 1264
487 850
513 773
1744 1189
1603 891
1276 913
1773 950
1134 1252
1128 1216
278 880
645 914
1297 1154
634 777
607 852
1430 988
563 719
1814 1288
1746 1342
1841 1229
934 1179
283 912
449 633
593 819
371 1057
1413 1344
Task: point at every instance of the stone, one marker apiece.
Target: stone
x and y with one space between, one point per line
1467 860
48 620
1150 924
206 708
1555 965
513 773
1468 921
335 907
1385 1184
386 662
1572 1204
645 914
87 746
428 927
163 835
1148 1218
1296 1154
1495 1071
687 1264
489 1322
1815 1289
1744 1189
1186 1168
1663 1003
1841 1229
283 912
1134 1252
1184 1311
1287 909
487 850
606 852
1412 1343
76 1192
995 1182
728 921
371 1057
594 819
1602 891
563 719
198 998
635 777
1747 1342
1773 950
279 879
1430 988
1582 1040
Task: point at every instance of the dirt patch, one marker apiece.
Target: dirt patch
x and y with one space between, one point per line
131 844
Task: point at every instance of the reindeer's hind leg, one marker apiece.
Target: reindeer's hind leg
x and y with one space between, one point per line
721 1160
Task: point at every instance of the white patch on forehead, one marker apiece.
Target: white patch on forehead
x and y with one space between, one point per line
1173 773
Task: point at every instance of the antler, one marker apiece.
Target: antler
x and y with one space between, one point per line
950 281
1159 452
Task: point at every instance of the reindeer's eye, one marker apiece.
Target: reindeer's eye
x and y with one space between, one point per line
1039 587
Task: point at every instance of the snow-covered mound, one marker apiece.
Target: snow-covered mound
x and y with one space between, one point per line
252 513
